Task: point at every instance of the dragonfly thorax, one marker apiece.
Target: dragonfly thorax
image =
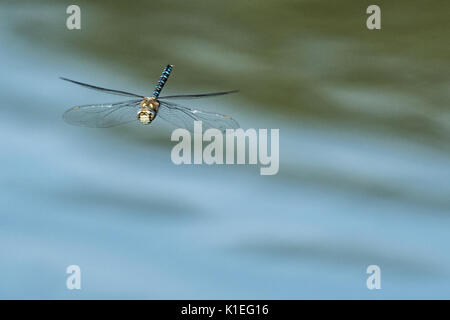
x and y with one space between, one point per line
148 110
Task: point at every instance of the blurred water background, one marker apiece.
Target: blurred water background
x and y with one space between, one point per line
364 151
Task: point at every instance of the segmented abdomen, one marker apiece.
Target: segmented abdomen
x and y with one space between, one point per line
162 80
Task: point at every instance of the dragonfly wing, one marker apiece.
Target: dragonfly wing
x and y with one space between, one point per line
103 115
184 117
201 95
111 91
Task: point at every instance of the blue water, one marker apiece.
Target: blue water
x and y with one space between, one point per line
112 202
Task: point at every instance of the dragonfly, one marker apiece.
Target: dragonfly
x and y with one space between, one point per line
145 109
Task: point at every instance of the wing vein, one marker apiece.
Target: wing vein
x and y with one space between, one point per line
111 91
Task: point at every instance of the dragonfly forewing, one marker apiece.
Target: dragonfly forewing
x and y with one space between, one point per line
106 90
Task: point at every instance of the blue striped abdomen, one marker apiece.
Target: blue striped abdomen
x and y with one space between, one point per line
162 80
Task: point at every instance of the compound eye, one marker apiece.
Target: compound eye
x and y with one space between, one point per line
144 117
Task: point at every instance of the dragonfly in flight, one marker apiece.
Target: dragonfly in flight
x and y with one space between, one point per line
145 109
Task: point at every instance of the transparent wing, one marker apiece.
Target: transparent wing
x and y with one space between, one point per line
111 91
184 117
201 95
103 115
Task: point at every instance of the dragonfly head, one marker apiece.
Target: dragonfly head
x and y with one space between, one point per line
144 117
148 110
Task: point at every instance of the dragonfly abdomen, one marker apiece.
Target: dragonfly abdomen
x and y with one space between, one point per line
162 80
